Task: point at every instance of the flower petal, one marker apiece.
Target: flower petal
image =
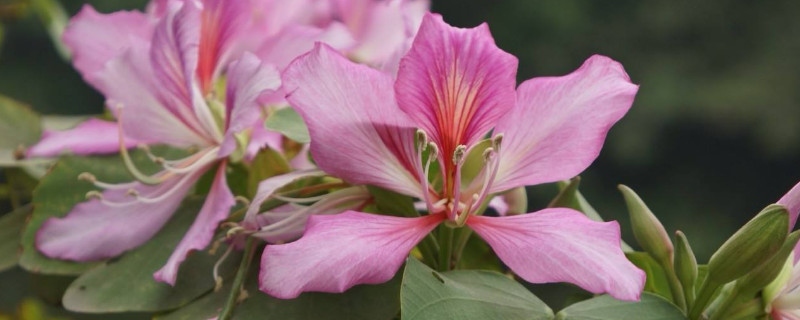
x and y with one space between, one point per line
558 125
129 83
563 245
791 200
357 132
215 209
96 230
93 136
294 40
267 188
385 31
455 83
340 251
248 79
95 38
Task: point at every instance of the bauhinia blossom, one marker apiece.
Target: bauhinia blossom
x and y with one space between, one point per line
162 91
453 87
275 31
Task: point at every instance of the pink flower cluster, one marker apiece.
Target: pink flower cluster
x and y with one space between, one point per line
392 96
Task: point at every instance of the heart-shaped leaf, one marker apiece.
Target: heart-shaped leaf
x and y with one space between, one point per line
128 284
19 125
650 307
466 294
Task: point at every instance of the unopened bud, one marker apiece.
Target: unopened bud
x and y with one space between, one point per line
756 242
769 270
647 230
685 265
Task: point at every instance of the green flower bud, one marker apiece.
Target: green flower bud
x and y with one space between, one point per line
685 265
756 242
647 230
769 270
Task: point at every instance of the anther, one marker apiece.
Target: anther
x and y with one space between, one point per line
488 154
422 138
243 201
85 176
132 192
496 141
458 154
94 194
433 150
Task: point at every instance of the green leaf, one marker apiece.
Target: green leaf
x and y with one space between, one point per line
128 284
393 203
11 226
60 190
650 307
289 123
656 277
19 125
466 294
267 163
363 302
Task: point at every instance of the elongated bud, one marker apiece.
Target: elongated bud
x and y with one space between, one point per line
754 243
769 270
649 232
685 264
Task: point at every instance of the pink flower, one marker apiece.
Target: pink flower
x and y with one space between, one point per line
276 31
159 88
782 296
456 86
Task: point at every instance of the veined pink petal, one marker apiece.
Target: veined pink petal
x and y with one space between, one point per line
129 82
455 83
791 200
260 137
223 22
558 125
97 229
215 209
95 38
93 136
268 187
563 245
339 251
294 40
248 79
174 55
357 132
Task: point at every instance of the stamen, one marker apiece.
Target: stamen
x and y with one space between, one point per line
493 163
94 194
497 141
215 272
86 176
138 175
422 138
458 160
242 200
132 192
298 200
458 154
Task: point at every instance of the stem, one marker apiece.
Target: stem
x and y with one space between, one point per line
241 274
446 248
675 286
706 292
428 248
461 243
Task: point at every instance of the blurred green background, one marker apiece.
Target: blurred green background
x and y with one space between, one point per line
713 137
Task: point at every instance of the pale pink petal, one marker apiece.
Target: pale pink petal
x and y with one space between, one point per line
357 132
94 136
455 83
302 160
215 209
388 28
339 251
95 229
248 79
260 137
295 40
268 187
558 125
791 200
129 83
95 38
224 23
563 245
